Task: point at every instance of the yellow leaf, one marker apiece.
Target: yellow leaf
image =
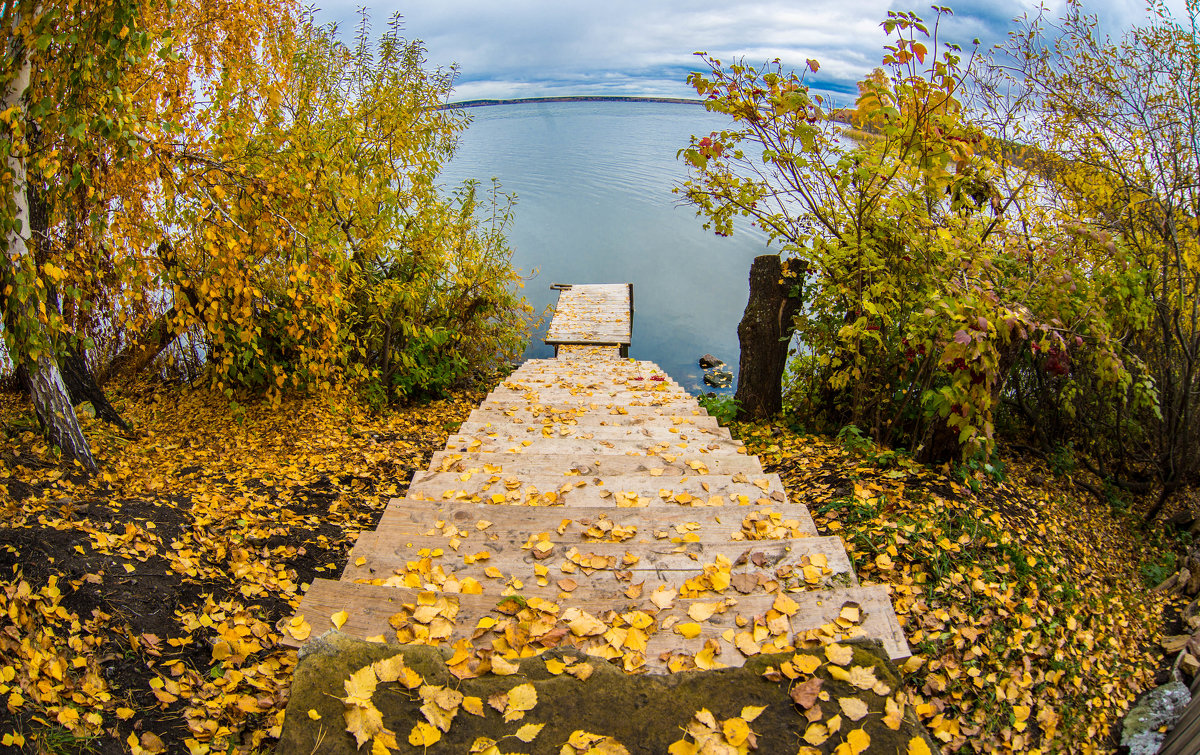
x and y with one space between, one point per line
806 663
839 654
529 732
555 666
701 611
423 735
313 714
785 605
854 708
918 746
299 628
363 721
893 714
360 685
521 699
389 669
473 705
816 734
501 667
736 730
688 629
751 712
339 619
863 677
858 740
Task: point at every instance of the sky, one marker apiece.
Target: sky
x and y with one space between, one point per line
535 48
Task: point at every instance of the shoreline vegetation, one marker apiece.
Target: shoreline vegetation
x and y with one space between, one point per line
571 98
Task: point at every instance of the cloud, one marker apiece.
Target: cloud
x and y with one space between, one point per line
529 48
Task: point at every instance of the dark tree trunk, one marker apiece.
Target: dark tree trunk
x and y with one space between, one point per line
765 333
76 376
139 353
154 340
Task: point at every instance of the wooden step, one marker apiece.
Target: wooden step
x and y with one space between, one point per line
376 611
651 432
613 491
634 379
614 391
539 444
656 419
799 563
570 361
585 415
552 408
728 521
595 464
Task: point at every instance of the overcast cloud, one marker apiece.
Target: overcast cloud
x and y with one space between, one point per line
533 48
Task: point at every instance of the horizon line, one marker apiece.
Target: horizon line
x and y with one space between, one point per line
486 102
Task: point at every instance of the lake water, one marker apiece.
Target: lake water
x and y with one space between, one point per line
594 205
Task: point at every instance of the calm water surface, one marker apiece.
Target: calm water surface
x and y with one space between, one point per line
594 205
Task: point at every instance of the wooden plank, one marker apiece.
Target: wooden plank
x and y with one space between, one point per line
590 409
592 314
388 553
647 431
616 492
370 607
681 420
595 464
462 520
539 444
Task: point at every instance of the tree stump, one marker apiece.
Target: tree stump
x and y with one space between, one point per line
765 333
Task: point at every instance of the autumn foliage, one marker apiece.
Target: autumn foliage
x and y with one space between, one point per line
265 212
983 251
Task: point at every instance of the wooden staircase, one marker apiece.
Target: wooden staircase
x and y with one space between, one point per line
591 502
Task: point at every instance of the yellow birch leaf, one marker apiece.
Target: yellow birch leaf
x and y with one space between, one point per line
839 654
816 734
806 663
918 746
701 611
858 740
853 708
423 735
688 629
339 619
363 721
736 731
529 732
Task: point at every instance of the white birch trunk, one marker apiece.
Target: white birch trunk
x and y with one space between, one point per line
46 388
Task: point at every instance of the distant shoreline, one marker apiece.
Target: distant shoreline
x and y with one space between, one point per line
535 100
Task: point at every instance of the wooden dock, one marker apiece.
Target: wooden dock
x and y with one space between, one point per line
590 502
598 314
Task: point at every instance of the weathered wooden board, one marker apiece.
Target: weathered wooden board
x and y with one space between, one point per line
592 314
595 464
370 607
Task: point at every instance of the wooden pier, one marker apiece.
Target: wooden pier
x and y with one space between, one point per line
591 502
597 314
